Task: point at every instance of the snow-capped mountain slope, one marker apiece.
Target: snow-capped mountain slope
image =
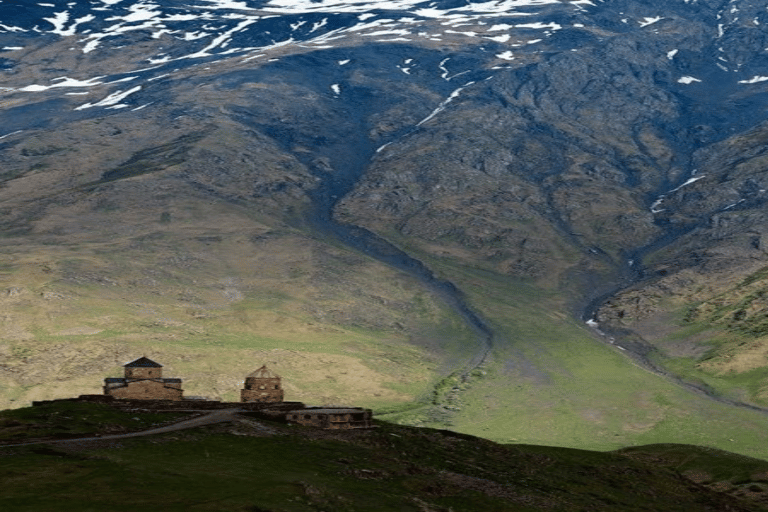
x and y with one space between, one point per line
151 39
692 72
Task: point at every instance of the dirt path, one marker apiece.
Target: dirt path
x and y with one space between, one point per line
219 416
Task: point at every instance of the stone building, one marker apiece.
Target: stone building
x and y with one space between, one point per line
143 381
263 386
332 417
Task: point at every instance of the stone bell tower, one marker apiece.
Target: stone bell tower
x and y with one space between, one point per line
262 385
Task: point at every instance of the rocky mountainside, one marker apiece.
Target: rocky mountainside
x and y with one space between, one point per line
394 203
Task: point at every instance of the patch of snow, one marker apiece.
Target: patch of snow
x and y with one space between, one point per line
59 21
12 29
399 32
655 206
192 36
671 54
688 182
443 68
754 80
227 4
336 89
126 79
551 26
9 134
445 103
111 100
734 204
138 12
468 33
650 21
319 24
63 82
507 55
500 39
687 80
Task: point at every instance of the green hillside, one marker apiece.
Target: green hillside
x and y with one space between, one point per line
253 465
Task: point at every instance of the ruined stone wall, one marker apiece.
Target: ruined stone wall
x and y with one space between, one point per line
330 419
309 419
147 390
261 395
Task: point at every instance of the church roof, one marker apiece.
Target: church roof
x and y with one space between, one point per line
143 362
264 373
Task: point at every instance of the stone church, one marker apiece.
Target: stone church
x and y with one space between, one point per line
263 385
143 381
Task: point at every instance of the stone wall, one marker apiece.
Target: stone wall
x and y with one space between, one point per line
147 390
332 418
140 372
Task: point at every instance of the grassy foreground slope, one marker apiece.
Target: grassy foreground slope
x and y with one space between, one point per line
245 466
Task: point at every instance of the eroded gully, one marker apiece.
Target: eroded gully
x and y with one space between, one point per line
631 274
338 171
